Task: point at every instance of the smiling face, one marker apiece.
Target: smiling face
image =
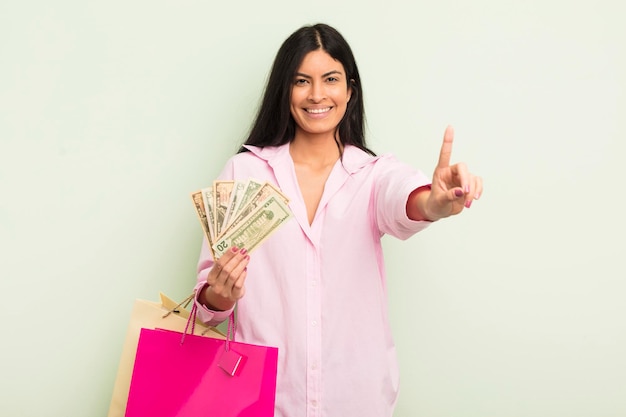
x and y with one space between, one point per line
319 95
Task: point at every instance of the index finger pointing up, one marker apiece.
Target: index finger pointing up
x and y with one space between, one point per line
446 148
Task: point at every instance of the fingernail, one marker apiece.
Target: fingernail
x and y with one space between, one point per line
467 188
458 193
243 251
477 196
468 203
235 249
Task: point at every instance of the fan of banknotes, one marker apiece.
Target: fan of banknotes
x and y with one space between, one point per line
240 213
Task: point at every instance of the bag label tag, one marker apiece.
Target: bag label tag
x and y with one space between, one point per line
229 361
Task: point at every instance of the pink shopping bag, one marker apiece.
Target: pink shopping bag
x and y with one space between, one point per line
184 375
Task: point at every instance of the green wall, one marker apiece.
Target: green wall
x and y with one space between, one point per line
111 113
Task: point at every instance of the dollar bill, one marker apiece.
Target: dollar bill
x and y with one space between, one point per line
222 190
202 217
235 198
208 199
246 212
252 186
266 191
254 229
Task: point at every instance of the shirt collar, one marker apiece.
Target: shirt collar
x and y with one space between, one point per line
353 158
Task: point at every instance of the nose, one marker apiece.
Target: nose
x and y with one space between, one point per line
316 93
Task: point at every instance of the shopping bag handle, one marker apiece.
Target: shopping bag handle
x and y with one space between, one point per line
232 328
232 321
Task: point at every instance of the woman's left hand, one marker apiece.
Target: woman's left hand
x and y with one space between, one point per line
453 187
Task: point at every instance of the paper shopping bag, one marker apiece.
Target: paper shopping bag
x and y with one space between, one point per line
148 314
201 376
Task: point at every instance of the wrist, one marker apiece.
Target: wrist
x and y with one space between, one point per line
208 298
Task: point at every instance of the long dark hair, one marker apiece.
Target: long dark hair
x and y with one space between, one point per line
274 125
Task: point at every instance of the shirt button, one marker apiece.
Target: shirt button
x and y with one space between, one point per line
314 323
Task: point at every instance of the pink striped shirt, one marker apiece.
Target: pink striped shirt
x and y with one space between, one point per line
318 292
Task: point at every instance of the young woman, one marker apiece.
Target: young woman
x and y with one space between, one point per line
316 289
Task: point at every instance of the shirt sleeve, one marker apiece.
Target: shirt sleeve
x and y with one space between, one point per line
395 182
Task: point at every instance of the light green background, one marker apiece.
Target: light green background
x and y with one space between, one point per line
112 112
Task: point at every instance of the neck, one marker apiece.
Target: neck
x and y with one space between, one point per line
314 149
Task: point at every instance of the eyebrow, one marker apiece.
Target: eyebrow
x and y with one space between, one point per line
299 74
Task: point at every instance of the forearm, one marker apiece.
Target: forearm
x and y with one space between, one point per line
416 207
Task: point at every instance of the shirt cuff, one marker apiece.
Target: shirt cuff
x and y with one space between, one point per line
209 317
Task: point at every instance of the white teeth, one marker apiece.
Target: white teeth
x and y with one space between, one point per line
318 110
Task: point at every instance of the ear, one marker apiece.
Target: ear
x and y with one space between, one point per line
350 89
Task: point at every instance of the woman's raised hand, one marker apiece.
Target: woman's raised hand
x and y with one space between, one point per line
453 186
